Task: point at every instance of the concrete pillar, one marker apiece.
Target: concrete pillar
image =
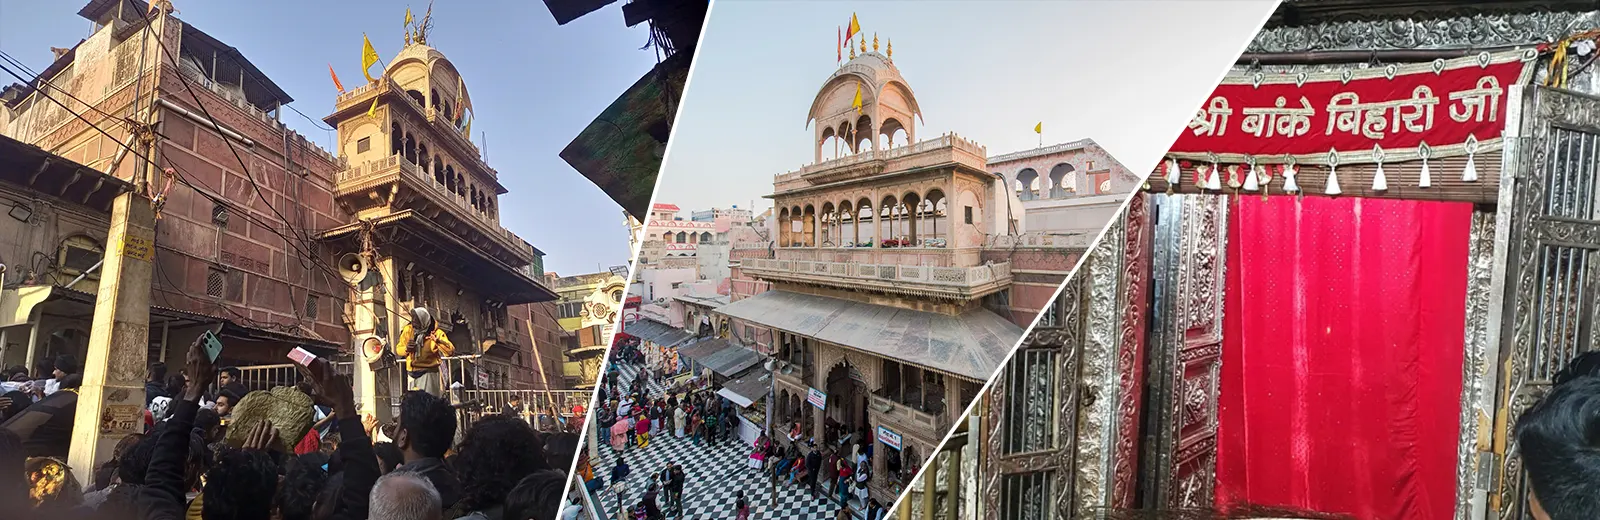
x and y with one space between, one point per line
369 310
111 400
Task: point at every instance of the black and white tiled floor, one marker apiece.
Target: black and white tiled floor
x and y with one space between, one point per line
714 477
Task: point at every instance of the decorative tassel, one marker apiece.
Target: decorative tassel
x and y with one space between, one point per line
1380 182
1470 173
1427 176
1250 183
1333 175
1174 175
1289 184
1214 179
1264 174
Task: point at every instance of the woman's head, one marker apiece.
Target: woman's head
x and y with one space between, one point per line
51 485
421 320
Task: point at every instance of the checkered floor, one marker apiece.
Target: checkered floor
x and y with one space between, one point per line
715 475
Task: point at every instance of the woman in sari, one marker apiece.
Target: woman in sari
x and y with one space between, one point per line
619 434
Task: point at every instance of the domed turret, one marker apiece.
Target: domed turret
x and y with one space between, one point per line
886 105
431 80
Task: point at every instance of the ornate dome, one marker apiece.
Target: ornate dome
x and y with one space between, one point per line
424 71
887 104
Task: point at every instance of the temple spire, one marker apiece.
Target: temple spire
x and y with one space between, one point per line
891 49
874 42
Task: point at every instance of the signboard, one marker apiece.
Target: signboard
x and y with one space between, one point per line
138 247
121 419
817 399
889 437
1442 108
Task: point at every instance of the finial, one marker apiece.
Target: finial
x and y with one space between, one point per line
852 50
874 42
863 43
891 49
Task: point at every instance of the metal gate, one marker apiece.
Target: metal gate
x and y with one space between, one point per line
1032 420
1553 150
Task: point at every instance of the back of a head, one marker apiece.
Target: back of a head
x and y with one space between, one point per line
1562 462
430 423
495 454
302 484
66 363
158 371
240 486
404 495
561 449
537 497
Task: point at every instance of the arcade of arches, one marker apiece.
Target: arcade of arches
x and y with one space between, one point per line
432 163
910 219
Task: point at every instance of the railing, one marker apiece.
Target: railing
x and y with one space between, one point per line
947 276
909 416
951 142
380 167
267 377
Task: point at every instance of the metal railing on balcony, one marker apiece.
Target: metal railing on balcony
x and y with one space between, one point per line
356 173
947 276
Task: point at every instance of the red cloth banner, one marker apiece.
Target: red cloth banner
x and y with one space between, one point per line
1396 107
1342 354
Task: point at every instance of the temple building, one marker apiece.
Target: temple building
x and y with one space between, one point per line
425 219
887 309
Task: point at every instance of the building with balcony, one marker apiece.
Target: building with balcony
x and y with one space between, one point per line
424 227
589 310
231 252
886 310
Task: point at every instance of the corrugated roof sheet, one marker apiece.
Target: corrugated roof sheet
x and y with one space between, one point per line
655 332
970 345
752 385
721 356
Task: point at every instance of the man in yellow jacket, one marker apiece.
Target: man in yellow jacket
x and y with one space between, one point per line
423 345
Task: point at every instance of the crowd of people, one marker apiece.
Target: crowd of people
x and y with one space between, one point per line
213 451
631 416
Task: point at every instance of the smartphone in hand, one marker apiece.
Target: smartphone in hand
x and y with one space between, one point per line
212 344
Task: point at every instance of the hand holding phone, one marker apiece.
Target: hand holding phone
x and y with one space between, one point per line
212 345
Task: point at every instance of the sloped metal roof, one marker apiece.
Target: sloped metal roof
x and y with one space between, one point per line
656 332
969 345
721 356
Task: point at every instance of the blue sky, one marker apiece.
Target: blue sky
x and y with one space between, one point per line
1128 74
535 86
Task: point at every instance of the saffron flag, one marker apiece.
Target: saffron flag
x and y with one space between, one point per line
335 75
369 56
408 16
855 27
1039 128
468 131
857 103
372 111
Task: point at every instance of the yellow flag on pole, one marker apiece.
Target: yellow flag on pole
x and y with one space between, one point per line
408 16
1039 128
855 27
372 111
857 103
468 131
369 56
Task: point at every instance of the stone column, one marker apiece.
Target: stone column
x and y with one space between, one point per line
370 309
111 400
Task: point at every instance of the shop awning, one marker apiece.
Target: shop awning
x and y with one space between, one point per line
656 332
722 357
750 387
969 345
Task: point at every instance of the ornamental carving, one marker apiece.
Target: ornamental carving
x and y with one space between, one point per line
1100 372
1454 28
1475 364
1134 290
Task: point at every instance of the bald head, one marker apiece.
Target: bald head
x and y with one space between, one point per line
404 495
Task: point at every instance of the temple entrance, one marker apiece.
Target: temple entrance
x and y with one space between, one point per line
846 415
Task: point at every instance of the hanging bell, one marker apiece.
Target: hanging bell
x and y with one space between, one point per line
1289 184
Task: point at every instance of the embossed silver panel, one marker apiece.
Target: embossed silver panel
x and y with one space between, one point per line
1551 278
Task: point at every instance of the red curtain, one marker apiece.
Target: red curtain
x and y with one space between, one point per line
1341 361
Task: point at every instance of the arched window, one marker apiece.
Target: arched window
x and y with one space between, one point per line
438 170
397 140
683 238
705 236
1059 180
1028 184
450 178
